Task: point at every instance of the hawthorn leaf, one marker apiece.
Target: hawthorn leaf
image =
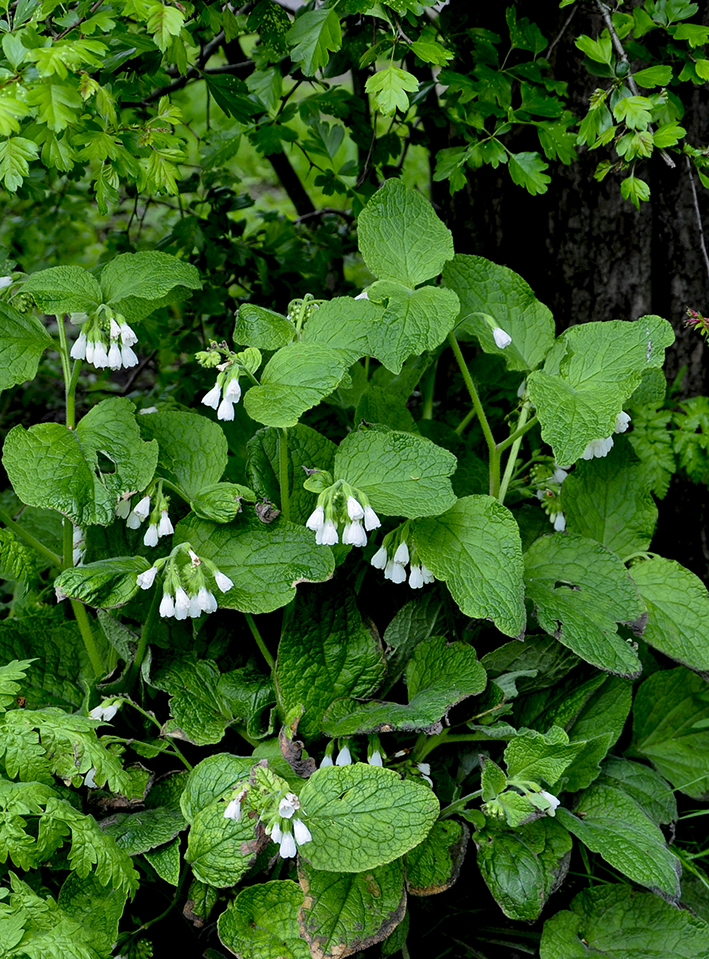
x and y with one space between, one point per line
475 548
400 236
581 591
294 380
677 611
496 291
15 156
264 561
192 448
363 816
23 340
524 866
326 651
612 824
96 908
580 392
348 912
434 865
388 88
609 500
618 922
527 170
401 473
313 36
262 922
307 449
438 676
64 289
671 728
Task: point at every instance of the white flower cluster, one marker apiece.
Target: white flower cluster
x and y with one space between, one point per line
375 754
603 446
357 515
112 348
286 829
106 711
549 494
394 565
186 589
224 404
159 525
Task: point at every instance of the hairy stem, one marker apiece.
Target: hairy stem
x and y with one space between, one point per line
512 458
87 635
467 419
30 539
429 385
259 640
477 406
283 472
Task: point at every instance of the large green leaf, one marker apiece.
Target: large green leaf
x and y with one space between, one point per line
488 288
326 652
535 757
211 779
400 236
363 816
295 379
581 391
346 324
193 449
136 832
95 907
649 790
612 824
402 474
581 591
524 866
677 611
219 850
130 281
617 922
107 583
347 912
307 449
64 289
609 500
671 728
476 549
433 866
437 676
23 339
261 328
262 922
264 561
313 36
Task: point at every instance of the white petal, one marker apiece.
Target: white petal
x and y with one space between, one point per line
276 833
559 521
301 831
347 534
145 580
233 810
402 554
371 520
133 521
398 573
326 761
78 350
552 800
344 757
316 520
96 712
143 508
195 607
109 712
128 337
89 351
100 359
123 509
354 508
362 296
167 605
115 330
286 808
226 410
375 759
128 356
288 847
380 558
213 397
151 535
415 577
501 338
559 475
165 527
329 533
115 361
233 390
622 421
182 602
5 281
598 448
89 778
428 576
222 581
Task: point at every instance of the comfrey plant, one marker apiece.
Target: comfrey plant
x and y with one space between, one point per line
231 565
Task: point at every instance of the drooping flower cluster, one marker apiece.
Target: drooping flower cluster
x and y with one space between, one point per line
107 710
106 339
226 391
395 553
548 485
278 809
603 446
153 504
341 505
188 581
375 754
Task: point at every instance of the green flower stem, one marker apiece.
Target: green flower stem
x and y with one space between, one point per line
518 433
170 746
477 406
71 395
429 384
146 631
467 419
512 459
64 354
92 650
30 539
283 472
458 805
259 641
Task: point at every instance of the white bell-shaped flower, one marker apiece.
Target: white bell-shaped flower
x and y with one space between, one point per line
622 421
288 847
402 554
501 338
151 535
344 757
145 580
233 810
598 448
128 356
380 558
316 520
167 605
226 409
371 520
165 527
222 581
301 832
213 397
554 803
354 534
182 603
415 577
78 350
355 510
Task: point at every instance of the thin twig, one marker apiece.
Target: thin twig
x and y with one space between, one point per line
79 21
325 211
702 244
620 50
561 32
